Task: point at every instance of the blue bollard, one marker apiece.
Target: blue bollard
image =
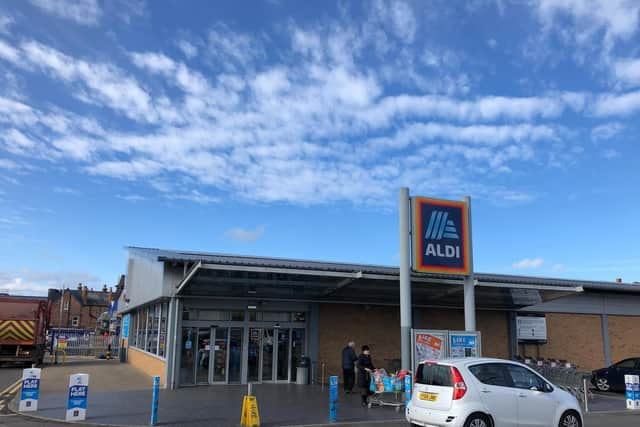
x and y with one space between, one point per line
408 389
333 399
154 400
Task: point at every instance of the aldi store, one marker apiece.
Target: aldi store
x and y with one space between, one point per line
201 318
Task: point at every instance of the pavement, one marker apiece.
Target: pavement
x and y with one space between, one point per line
121 395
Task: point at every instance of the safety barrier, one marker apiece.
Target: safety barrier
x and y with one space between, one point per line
80 342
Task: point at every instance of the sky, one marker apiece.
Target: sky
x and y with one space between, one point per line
286 128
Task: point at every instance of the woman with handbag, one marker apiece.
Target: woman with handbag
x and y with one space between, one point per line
365 368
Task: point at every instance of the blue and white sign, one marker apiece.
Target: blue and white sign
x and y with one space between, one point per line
78 393
333 399
408 389
463 345
125 326
30 390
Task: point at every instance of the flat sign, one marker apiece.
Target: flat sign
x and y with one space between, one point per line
531 328
77 400
30 390
440 236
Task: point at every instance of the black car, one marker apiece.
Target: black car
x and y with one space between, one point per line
612 378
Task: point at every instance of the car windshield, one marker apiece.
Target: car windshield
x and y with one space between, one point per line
629 363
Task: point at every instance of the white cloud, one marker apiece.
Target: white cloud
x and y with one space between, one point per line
617 104
83 12
188 49
194 196
65 190
131 197
611 153
126 169
492 43
6 22
528 263
31 282
245 235
628 71
606 131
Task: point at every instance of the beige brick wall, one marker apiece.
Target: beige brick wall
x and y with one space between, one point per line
573 337
146 363
623 337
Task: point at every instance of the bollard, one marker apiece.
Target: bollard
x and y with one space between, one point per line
585 390
333 399
408 389
154 400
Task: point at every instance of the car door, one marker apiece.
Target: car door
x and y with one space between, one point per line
619 370
496 392
536 407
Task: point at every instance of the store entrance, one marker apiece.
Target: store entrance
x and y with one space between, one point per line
216 355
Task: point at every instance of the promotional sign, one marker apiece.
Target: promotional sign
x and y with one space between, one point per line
464 344
62 343
428 345
77 401
531 328
408 389
440 236
125 326
30 390
632 389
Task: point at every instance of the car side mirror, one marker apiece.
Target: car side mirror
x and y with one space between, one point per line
547 388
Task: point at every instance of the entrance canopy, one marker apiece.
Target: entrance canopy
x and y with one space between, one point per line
258 278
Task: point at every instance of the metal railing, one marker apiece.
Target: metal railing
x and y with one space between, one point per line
79 342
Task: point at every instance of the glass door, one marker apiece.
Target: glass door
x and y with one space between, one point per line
282 359
187 363
253 361
267 354
235 355
297 350
203 356
220 346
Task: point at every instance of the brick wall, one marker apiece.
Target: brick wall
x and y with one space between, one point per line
88 315
146 363
379 327
573 337
623 337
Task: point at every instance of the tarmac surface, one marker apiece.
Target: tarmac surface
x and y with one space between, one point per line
121 395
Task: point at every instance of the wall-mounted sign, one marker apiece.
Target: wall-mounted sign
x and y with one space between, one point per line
428 345
531 328
440 236
125 326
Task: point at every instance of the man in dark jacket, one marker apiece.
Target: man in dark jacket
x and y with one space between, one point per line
348 368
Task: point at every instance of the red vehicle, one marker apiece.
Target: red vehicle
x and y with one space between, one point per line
23 326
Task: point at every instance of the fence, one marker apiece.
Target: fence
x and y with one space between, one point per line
79 342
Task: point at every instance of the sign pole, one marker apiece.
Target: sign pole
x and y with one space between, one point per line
405 280
469 285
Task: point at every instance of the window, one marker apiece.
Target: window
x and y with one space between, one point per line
629 363
149 328
491 374
237 315
65 304
213 315
162 339
439 375
75 321
524 378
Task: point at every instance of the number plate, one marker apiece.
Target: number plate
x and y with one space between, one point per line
430 397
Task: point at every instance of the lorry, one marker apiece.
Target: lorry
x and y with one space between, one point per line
23 325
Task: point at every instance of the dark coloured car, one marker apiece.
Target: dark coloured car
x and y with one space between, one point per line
612 378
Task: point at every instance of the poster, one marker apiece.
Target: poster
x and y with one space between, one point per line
429 346
461 345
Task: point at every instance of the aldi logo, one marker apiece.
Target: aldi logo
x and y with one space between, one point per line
440 236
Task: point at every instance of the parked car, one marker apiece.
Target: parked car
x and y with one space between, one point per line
612 378
483 392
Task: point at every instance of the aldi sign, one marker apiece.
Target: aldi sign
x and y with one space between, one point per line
440 236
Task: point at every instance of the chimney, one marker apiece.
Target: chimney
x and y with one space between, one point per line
104 288
79 286
85 292
619 280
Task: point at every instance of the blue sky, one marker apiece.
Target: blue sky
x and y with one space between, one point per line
286 128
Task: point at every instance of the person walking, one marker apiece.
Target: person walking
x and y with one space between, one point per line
365 368
348 366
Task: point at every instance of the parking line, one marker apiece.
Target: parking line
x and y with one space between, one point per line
13 388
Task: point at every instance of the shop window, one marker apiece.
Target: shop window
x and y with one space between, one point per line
75 321
142 328
153 325
299 316
237 316
162 339
275 316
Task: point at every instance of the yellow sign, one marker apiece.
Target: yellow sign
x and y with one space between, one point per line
250 416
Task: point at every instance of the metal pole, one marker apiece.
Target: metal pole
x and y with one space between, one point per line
405 279
469 281
586 394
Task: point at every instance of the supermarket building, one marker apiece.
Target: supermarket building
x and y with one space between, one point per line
202 318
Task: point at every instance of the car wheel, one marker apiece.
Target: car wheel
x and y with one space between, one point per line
477 420
570 419
602 384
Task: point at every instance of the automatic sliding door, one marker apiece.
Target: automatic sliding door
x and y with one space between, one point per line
220 355
235 355
267 354
204 353
282 368
187 365
253 354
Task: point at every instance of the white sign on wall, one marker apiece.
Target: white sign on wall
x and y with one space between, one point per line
531 328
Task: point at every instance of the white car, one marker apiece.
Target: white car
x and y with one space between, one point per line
482 392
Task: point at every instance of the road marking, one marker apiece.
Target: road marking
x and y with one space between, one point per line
13 388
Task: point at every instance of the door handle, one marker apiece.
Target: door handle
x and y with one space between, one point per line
485 391
522 395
